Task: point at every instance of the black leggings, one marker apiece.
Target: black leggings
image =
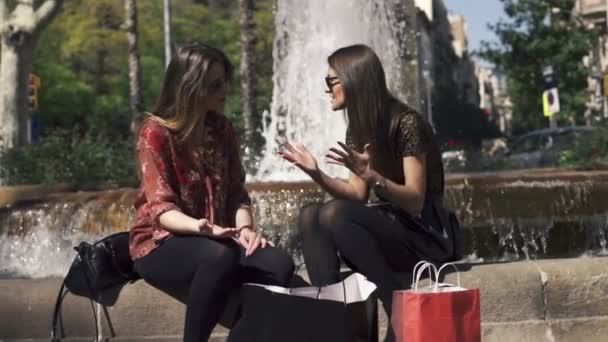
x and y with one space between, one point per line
367 240
201 272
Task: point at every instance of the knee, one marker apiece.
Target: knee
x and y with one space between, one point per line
225 256
284 268
308 219
333 213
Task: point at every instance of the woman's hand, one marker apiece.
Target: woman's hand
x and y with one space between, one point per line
251 240
214 231
298 155
357 163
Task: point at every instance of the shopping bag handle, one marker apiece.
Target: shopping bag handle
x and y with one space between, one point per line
419 264
438 273
421 270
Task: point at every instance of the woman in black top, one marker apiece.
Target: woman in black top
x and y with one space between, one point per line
391 150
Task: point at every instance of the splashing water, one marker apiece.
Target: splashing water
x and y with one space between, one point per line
307 33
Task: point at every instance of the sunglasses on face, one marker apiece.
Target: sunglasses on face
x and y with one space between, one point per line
218 85
331 81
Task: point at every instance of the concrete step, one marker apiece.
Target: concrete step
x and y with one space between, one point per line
546 300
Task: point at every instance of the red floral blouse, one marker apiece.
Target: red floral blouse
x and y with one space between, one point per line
208 184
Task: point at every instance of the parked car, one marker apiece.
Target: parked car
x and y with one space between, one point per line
541 148
454 160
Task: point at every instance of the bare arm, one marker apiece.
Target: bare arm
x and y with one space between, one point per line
411 195
354 188
244 218
179 223
162 199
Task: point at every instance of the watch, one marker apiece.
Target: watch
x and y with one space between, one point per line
379 184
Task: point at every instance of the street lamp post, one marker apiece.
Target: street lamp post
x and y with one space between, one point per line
167 30
605 42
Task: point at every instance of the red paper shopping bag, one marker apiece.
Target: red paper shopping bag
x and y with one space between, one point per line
438 313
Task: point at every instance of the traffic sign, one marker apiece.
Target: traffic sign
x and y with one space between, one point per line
550 102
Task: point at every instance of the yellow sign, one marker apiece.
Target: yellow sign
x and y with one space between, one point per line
550 102
546 111
605 84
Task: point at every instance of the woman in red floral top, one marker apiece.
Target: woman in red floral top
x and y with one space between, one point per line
193 236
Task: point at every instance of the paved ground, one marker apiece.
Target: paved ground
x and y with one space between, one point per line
548 300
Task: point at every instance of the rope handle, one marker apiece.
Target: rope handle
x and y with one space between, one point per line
425 265
441 269
420 263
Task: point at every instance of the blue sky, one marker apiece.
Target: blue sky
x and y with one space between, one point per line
477 13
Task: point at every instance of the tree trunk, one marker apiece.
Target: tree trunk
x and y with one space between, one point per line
13 94
19 33
134 67
251 117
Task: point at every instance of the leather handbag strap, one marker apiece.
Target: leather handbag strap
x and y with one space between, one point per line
56 319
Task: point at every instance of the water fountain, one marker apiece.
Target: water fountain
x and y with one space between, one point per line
511 217
523 215
302 44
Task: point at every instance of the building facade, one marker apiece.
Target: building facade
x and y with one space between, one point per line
494 97
594 14
465 69
449 78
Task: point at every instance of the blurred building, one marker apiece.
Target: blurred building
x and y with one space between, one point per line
465 69
424 34
594 15
476 84
494 98
440 71
448 75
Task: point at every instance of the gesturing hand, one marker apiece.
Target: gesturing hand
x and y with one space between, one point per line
357 163
298 155
251 240
206 228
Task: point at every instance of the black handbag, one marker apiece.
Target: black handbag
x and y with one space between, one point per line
451 226
98 272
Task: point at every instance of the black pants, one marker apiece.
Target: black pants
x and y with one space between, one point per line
369 242
201 272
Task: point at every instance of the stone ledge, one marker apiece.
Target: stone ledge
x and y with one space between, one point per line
590 329
515 301
593 329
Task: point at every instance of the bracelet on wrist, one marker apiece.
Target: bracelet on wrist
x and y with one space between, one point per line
247 226
379 184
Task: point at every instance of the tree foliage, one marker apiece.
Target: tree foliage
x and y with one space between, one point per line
536 34
82 58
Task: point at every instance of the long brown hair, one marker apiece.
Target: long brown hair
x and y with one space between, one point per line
372 111
179 106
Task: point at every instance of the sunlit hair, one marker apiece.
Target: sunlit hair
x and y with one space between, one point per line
179 106
372 112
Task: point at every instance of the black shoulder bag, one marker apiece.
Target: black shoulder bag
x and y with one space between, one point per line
98 272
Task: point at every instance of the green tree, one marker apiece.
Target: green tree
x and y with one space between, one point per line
82 58
21 26
82 61
539 33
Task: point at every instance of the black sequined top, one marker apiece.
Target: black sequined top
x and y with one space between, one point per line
414 136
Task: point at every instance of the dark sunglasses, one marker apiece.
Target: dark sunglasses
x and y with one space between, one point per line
329 81
218 85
